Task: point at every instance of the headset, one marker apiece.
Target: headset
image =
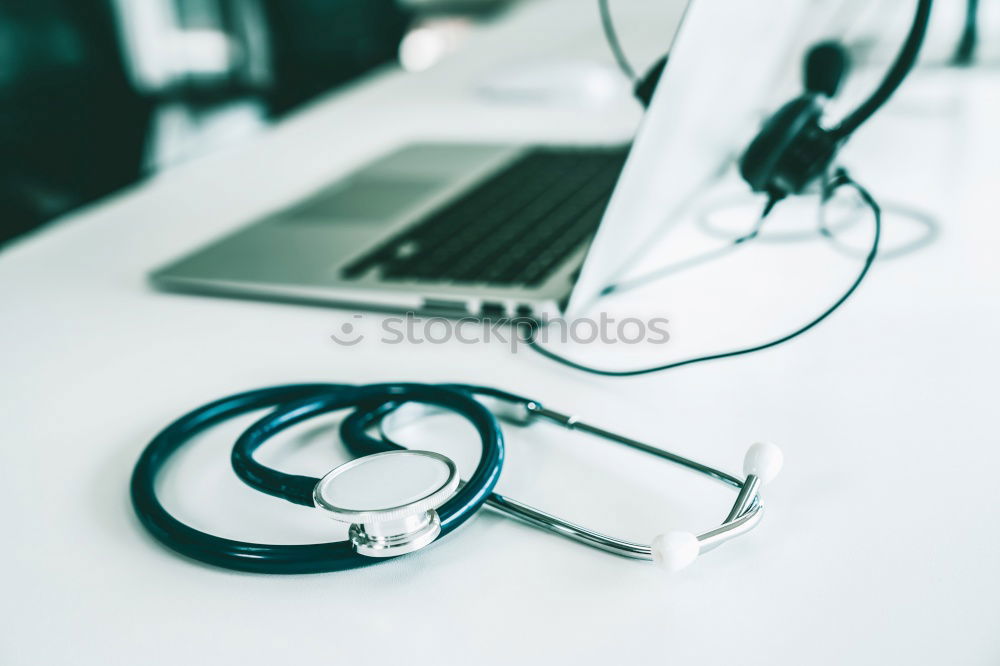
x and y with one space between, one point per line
792 152
792 149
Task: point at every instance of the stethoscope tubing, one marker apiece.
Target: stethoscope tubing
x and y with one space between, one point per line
292 404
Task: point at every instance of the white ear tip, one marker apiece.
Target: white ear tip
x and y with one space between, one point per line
763 460
675 550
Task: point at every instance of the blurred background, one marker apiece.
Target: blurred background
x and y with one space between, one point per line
97 94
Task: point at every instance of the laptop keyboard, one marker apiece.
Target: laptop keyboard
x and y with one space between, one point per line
515 228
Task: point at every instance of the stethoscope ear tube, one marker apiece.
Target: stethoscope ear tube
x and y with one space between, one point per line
672 552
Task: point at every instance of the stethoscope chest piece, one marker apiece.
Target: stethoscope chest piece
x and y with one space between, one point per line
389 499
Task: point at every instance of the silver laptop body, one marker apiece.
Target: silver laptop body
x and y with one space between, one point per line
719 64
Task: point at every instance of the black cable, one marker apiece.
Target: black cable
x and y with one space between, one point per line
966 50
904 62
616 48
840 179
931 230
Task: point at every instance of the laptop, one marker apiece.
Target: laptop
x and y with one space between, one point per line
531 231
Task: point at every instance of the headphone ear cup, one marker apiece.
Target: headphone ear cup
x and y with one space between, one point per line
825 68
761 158
790 151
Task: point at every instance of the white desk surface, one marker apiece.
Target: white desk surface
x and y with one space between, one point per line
880 545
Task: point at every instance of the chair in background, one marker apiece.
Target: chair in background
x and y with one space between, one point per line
72 128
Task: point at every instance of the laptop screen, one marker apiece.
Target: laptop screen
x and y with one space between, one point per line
727 62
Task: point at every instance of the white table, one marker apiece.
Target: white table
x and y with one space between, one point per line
879 545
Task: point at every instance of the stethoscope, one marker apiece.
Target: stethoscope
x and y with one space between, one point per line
397 500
